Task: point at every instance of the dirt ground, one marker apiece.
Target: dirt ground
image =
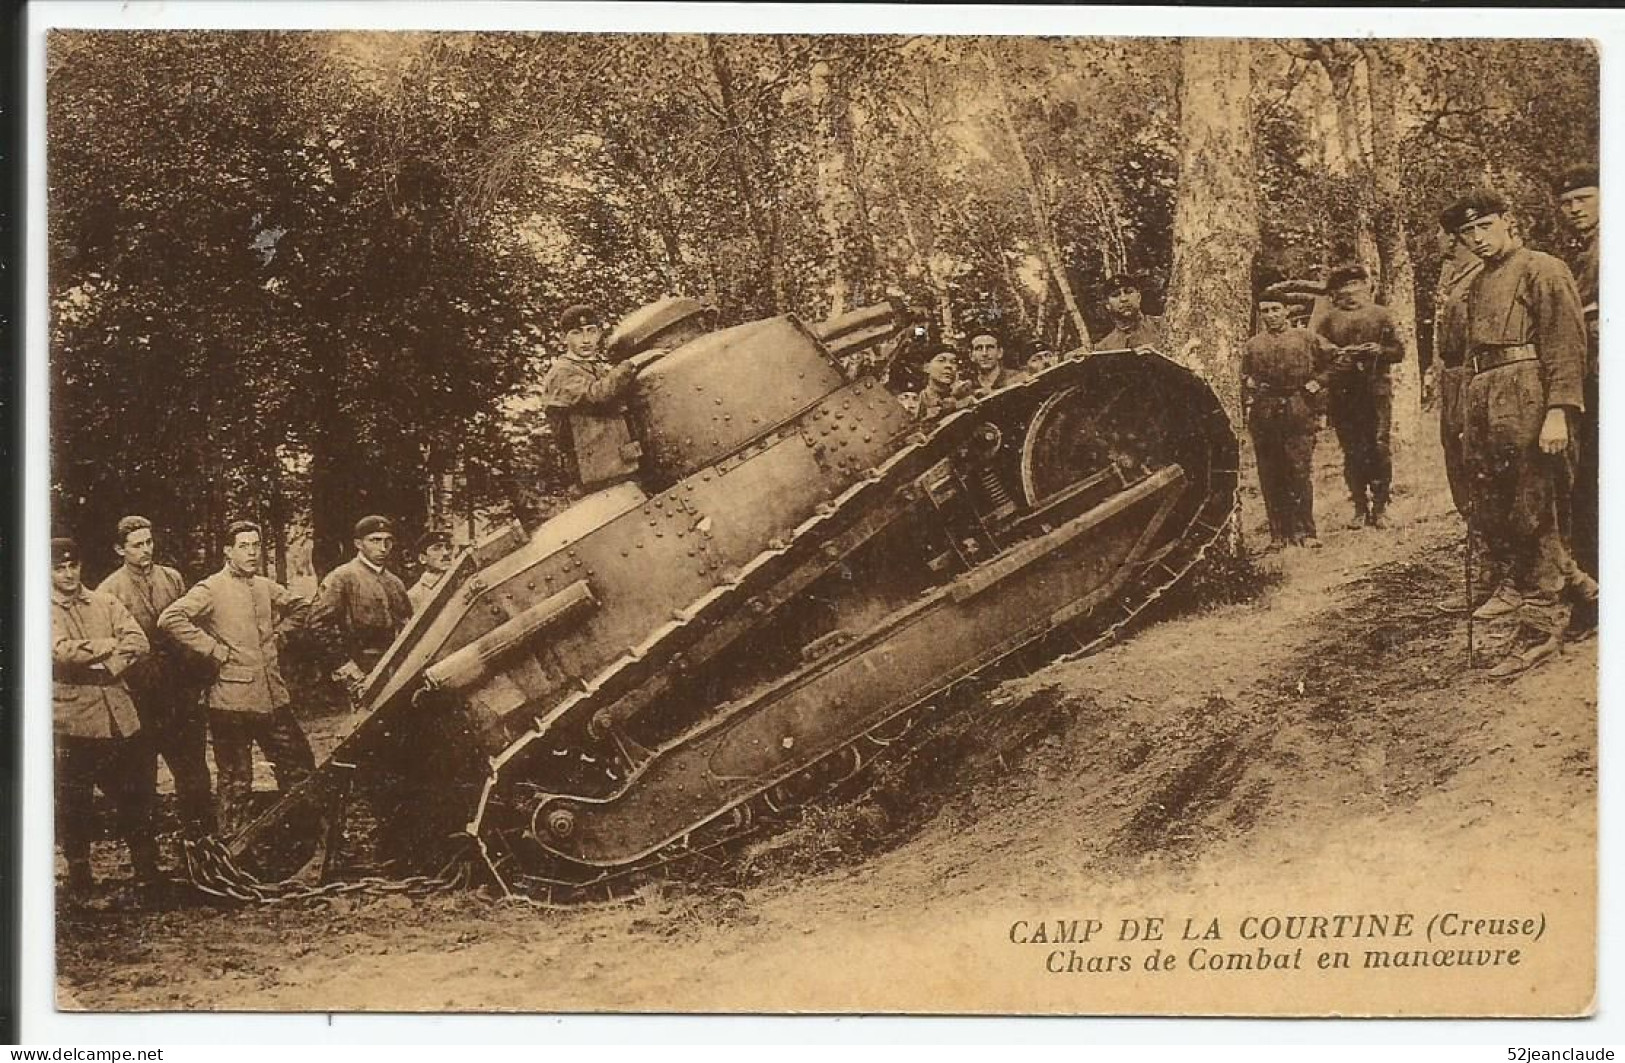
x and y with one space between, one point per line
1320 747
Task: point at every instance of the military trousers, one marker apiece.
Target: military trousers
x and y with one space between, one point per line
279 737
1452 384
1283 431
177 725
1587 473
1361 411
1517 491
125 770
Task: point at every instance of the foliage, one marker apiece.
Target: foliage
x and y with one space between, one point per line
307 276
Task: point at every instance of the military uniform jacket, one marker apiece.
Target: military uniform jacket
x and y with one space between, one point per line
1450 314
1148 333
232 620
362 609
421 591
145 597
1369 324
584 399
1279 364
1530 298
94 640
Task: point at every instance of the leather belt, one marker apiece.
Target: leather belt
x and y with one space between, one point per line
1486 358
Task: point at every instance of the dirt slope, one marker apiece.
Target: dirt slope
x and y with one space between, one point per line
1321 747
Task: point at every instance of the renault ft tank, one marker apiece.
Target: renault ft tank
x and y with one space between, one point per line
793 567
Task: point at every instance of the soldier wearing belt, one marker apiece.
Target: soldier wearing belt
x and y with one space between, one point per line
585 399
231 620
362 605
1284 372
1360 396
1526 349
166 690
99 738
1578 199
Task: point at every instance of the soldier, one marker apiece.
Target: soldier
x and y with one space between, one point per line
1578 198
1360 398
943 392
165 688
231 619
989 373
585 399
1284 373
1131 327
99 738
362 605
1526 348
435 553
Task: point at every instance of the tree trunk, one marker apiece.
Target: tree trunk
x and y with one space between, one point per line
1045 228
1215 216
837 206
919 250
761 226
1393 252
1341 60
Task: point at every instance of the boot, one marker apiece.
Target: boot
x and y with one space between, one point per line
1546 620
1362 514
144 860
1378 517
1504 602
1582 592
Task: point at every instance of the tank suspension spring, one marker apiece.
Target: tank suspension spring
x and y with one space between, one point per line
994 487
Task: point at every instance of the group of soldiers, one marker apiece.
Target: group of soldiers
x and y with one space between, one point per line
145 668
1516 372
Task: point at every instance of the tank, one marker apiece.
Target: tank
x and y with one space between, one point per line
798 568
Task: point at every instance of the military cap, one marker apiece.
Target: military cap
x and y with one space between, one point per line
1480 203
63 549
1347 273
576 316
1120 282
371 525
1583 175
431 538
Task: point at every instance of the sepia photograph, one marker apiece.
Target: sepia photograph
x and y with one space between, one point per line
821 522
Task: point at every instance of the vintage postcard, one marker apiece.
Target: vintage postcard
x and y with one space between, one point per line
795 520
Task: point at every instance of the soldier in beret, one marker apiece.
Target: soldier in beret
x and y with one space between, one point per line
1360 396
1284 372
435 553
943 391
1526 350
585 399
1578 198
231 619
361 604
99 738
1130 326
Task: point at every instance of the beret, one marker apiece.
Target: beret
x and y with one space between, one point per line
370 525
1474 205
431 538
63 549
1347 274
1583 175
576 316
1118 282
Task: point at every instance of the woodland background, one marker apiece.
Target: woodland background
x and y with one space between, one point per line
300 277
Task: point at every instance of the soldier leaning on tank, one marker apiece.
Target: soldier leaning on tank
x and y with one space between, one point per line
1130 326
231 619
988 371
1284 372
166 687
943 391
1360 401
99 738
361 605
585 399
1526 349
1578 198
435 554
